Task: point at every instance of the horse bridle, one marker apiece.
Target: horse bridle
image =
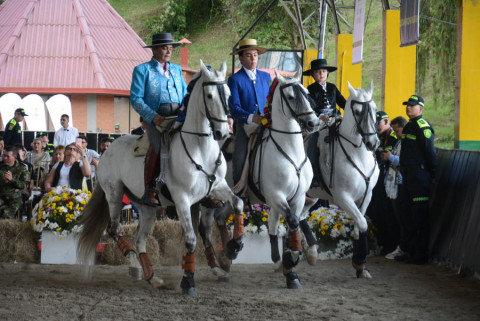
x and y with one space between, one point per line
364 112
296 85
221 91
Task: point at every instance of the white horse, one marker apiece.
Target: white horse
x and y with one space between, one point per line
350 174
281 171
196 170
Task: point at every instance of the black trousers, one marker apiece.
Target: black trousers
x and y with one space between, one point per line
416 214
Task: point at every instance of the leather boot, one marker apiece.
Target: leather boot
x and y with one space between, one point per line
151 163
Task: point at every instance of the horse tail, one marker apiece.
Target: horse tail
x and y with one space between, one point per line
95 218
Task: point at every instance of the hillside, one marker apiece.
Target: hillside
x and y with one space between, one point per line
214 30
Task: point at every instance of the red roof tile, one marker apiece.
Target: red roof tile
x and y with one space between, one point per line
62 45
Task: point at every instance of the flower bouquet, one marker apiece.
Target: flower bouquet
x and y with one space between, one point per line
255 220
59 211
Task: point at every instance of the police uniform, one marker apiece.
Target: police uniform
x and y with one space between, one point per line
13 133
418 165
11 192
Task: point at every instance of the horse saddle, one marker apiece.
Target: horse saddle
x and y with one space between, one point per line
140 147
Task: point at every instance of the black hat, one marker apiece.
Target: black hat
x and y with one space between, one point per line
41 134
414 100
20 111
318 64
161 39
381 115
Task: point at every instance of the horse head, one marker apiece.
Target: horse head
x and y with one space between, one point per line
294 101
363 110
211 89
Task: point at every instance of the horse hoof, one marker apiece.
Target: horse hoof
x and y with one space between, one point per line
233 248
225 262
157 282
189 291
278 266
293 282
218 271
224 279
312 254
364 274
135 273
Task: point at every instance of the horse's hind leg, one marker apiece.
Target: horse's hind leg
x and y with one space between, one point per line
145 223
114 200
205 229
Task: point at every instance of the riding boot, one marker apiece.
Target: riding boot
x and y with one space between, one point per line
151 163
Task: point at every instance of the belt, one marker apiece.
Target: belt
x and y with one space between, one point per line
172 105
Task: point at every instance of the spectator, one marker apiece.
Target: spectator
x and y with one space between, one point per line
393 180
2 146
46 145
105 144
13 131
70 172
92 158
140 130
418 165
65 135
40 161
58 155
380 209
14 179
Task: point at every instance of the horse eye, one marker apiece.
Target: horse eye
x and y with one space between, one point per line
209 96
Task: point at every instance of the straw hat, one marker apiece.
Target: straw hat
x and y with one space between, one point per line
248 44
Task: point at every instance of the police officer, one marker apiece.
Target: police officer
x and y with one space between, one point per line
13 131
418 164
14 178
46 145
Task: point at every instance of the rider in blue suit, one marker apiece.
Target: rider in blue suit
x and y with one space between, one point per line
249 90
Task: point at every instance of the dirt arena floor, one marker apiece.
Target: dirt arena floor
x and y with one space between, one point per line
331 292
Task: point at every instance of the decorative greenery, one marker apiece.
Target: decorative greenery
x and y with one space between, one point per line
60 210
255 221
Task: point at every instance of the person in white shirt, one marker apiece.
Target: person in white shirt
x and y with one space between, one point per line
65 135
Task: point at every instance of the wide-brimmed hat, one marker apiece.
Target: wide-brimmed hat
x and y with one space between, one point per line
21 111
414 100
161 39
249 44
318 64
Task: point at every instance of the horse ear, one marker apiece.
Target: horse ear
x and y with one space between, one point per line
352 91
370 88
223 68
279 76
203 68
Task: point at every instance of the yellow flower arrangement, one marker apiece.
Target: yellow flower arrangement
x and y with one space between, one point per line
59 210
256 220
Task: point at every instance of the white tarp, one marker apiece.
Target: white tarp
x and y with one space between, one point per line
57 106
358 26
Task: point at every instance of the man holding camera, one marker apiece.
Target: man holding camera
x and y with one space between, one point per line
380 209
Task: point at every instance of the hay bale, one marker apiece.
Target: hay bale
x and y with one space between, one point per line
19 242
112 255
165 244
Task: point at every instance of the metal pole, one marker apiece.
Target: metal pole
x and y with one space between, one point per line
322 25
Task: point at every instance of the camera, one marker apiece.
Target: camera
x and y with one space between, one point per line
380 150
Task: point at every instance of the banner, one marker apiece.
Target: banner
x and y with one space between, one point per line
409 29
358 26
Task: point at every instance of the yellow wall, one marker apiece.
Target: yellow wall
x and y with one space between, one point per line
346 71
467 135
308 56
399 72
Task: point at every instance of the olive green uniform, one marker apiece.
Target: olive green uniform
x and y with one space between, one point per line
11 192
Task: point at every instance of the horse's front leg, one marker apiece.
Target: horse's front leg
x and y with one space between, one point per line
188 265
360 235
291 255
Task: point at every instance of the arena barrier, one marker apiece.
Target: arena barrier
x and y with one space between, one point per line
455 211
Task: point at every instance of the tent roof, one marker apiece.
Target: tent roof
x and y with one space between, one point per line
67 46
